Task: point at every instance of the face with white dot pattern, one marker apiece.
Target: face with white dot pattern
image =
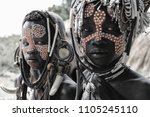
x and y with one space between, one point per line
34 44
101 37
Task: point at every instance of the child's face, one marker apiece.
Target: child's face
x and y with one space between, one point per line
34 44
101 37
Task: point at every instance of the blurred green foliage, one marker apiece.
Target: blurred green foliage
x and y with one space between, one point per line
7 51
63 10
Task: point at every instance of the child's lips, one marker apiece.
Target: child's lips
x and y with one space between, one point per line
98 53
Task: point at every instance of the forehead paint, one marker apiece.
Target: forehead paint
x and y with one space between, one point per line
89 10
38 30
99 18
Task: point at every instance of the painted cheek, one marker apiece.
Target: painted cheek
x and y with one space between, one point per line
43 50
118 41
119 45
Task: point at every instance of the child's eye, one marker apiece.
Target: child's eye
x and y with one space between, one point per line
89 29
86 30
25 43
39 43
110 29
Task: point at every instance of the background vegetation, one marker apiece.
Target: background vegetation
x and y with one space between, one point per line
62 10
7 50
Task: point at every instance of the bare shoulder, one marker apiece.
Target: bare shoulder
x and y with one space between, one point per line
133 86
